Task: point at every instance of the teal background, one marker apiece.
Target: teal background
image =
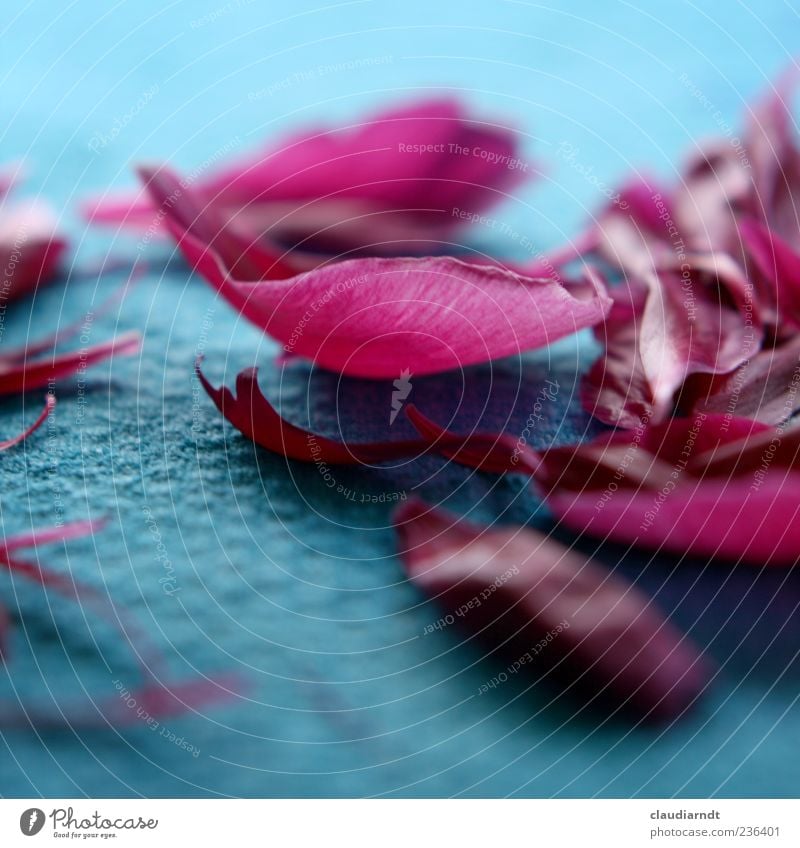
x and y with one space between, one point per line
294 588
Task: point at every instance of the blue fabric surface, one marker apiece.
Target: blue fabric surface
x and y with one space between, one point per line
295 587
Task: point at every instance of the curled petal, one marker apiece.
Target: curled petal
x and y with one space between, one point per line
253 415
497 453
376 317
763 389
532 591
699 320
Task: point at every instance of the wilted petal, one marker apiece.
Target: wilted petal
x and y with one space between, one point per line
254 416
764 389
777 268
771 144
515 587
698 318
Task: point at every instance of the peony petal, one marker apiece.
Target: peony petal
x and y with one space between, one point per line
715 188
527 594
698 318
763 389
495 453
633 232
777 267
377 317
774 159
253 415
650 458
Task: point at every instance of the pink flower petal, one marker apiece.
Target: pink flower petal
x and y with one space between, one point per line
401 175
30 249
762 389
376 317
525 592
777 267
774 158
709 485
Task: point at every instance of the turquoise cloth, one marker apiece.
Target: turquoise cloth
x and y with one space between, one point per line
279 579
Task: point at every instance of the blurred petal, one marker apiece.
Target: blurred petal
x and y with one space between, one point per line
514 587
741 519
393 183
30 249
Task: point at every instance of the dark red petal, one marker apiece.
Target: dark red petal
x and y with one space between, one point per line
779 268
515 587
497 453
698 318
253 415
